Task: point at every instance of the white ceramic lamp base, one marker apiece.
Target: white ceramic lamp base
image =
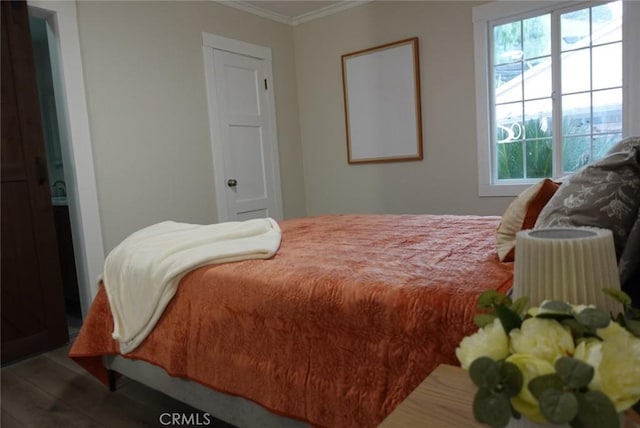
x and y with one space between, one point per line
570 264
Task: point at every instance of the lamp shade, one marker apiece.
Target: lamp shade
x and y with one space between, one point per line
570 264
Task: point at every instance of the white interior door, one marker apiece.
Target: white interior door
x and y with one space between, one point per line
243 135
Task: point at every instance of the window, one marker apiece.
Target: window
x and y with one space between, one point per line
549 87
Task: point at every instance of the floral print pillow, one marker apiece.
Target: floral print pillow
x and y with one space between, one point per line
625 145
629 265
605 194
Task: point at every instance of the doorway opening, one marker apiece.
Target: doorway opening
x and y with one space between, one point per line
42 37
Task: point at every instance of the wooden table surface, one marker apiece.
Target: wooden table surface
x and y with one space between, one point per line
444 400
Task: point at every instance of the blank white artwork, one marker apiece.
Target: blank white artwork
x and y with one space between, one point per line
381 102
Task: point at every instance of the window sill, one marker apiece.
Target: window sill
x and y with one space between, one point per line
488 190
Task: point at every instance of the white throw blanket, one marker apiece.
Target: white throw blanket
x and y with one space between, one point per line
141 275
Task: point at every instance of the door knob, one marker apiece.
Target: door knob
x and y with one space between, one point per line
232 183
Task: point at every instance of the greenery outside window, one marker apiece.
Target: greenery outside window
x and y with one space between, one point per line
550 91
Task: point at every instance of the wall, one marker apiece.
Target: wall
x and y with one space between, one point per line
446 181
148 113
146 97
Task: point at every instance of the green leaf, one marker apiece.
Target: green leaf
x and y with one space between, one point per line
520 305
483 319
545 382
511 379
574 373
489 298
595 410
491 408
555 309
508 318
578 330
633 326
484 371
594 318
556 306
558 407
619 295
507 301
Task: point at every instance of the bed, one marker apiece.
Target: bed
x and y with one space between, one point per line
349 316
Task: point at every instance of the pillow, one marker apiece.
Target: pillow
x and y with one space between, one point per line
604 194
629 265
521 214
625 145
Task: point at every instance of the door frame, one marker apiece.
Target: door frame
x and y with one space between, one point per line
211 42
77 154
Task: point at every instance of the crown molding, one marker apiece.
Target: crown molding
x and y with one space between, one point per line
296 20
259 11
328 10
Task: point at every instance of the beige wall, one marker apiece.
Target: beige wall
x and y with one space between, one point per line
146 97
446 181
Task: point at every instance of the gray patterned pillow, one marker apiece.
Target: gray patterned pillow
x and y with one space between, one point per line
625 145
630 260
629 265
604 194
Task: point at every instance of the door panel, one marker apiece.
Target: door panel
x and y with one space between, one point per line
247 136
247 160
33 315
250 215
242 87
19 287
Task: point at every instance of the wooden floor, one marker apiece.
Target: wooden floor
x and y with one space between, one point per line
50 391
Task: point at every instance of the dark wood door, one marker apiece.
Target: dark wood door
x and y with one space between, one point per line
33 313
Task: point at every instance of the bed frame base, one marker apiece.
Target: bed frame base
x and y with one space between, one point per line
235 410
112 376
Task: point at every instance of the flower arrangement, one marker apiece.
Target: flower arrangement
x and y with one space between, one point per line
557 363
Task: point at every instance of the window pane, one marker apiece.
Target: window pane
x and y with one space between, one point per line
576 152
539 158
602 144
510 160
538 138
524 66
537 82
508 82
509 122
607 66
576 71
536 38
576 114
607 111
507 43
607 23
574 29
538 113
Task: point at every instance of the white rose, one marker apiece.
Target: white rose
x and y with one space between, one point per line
617 364
490 341
531 367
544 338
614 332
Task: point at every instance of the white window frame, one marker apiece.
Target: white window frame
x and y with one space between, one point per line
483 16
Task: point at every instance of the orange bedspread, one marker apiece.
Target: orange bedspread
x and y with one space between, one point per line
337 329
